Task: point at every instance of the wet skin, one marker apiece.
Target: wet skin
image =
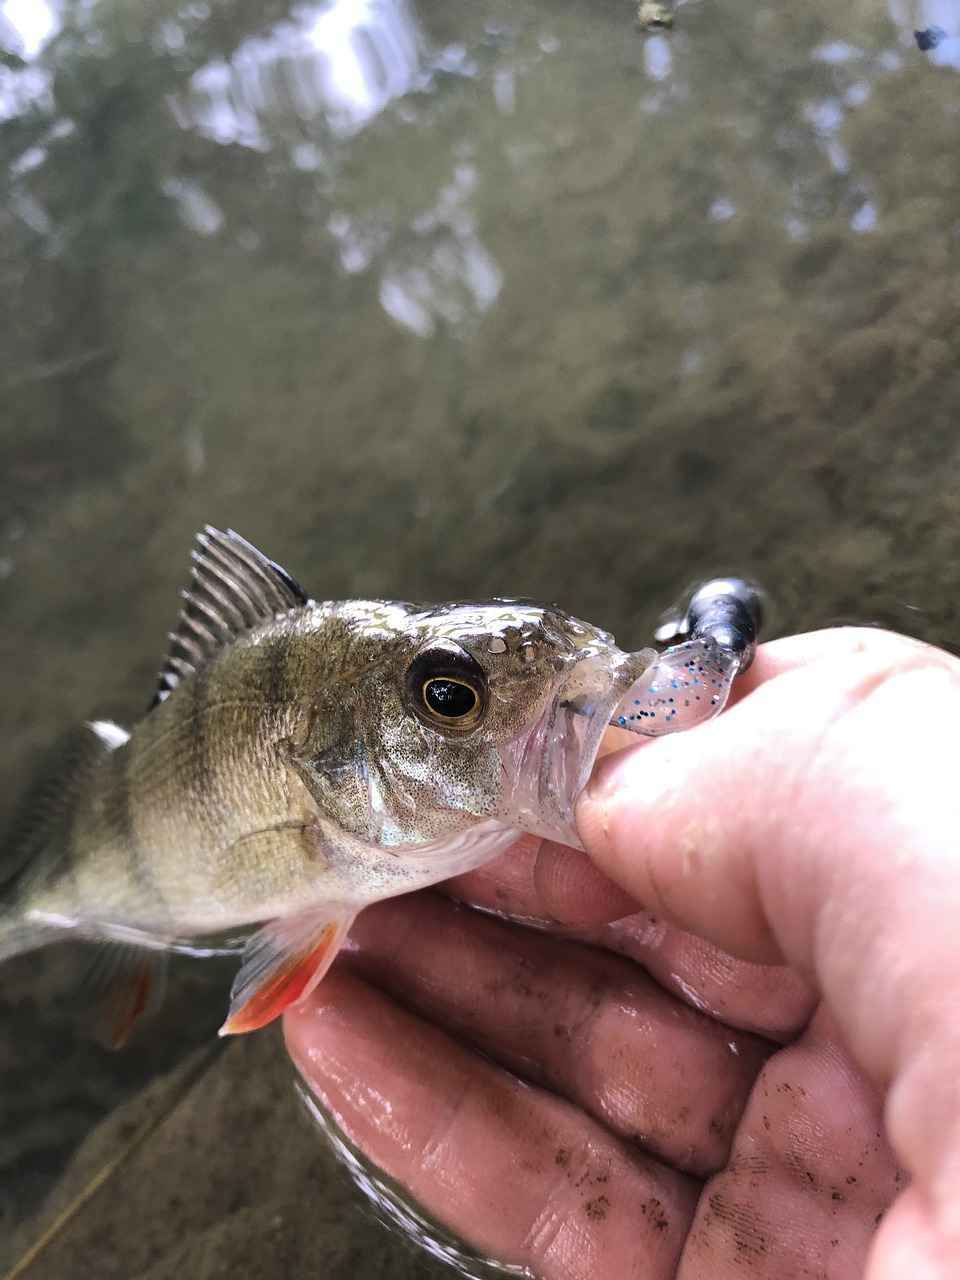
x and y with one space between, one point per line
660 1092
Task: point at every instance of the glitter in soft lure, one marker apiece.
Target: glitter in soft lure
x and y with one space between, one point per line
687 684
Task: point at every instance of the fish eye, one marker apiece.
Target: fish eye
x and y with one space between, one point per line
447 688
449 698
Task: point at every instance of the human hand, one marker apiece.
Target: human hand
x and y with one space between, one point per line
811 832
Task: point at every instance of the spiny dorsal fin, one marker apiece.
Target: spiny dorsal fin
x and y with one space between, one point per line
233 588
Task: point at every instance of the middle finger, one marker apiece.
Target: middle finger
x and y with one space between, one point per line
588 1024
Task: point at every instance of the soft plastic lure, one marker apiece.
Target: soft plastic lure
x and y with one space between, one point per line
690 682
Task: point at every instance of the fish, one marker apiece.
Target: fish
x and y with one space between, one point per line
300 760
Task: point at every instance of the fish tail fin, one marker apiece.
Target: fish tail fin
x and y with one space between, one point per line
35 908
38 842
17 933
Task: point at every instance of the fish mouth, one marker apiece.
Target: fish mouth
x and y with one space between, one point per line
547 766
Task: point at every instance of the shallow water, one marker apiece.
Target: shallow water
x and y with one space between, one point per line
440 299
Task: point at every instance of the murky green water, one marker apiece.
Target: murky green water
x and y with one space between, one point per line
432 299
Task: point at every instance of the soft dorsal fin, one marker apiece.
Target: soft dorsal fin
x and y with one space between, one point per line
233 588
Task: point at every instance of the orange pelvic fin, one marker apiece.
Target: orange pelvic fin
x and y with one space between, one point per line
282 963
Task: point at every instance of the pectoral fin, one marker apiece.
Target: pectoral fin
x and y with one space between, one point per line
282 963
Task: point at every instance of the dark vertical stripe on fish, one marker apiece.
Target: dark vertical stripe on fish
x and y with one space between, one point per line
119 817
277 683
201 764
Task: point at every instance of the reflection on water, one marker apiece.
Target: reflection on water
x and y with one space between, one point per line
446 272
440 298
336 65
25 25
306 83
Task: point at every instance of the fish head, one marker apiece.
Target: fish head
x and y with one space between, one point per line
474 711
